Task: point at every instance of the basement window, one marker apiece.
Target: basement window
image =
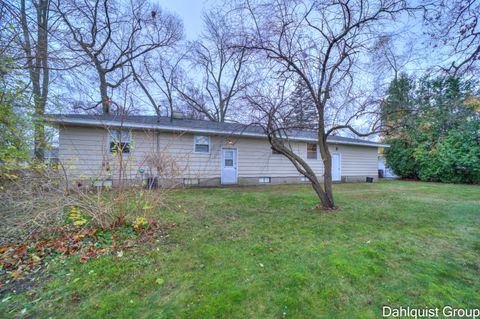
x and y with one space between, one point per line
191 181
120 141
202 144
264 180
312 152
304 179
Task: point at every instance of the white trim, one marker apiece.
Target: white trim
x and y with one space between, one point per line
110 136
306 152
193 130
264 180
222 164
191 181
209 144
340 165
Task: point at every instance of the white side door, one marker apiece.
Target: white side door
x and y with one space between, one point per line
336 167
229 166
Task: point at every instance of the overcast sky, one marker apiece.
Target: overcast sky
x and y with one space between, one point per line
191 13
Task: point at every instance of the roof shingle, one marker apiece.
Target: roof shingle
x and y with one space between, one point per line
196 125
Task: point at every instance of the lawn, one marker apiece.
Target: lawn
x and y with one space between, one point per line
263 252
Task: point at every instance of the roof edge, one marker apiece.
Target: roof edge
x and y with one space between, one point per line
193 130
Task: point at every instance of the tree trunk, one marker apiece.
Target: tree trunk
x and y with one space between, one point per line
37 65
104 93
325 194
327 201
39 139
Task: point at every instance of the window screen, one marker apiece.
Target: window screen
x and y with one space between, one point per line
228 158
312 151
120 141
202 144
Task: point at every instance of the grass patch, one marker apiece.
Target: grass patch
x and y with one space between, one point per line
263 252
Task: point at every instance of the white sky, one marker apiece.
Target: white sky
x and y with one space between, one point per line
191 13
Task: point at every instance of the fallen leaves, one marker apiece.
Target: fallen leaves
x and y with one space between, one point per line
18 261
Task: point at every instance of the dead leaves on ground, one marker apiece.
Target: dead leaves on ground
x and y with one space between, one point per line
18 261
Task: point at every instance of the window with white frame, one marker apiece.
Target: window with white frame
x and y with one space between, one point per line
312 151
264 180
202 144
191 181
120 141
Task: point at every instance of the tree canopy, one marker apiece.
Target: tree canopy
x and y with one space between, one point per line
437 132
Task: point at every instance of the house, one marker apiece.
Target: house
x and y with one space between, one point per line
50 156
384 171
196 152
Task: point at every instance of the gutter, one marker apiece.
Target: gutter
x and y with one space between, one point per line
193 130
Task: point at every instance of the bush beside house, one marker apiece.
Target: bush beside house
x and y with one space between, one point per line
436 135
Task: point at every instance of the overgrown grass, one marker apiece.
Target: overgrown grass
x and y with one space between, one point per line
263 252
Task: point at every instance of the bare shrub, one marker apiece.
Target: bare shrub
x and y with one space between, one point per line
166 167
42 197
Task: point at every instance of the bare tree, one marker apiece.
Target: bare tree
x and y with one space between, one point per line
321 43
388 57
220 66
112 34
157 76
454 27
35 25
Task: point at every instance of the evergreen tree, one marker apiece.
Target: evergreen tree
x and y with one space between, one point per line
438 139
302 112
397 110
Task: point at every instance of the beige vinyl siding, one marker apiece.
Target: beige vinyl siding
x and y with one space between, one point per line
255 158
81 150
193 165
357 160
85 151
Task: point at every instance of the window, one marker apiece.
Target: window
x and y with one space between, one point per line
312 151
264 180
202 144
120 141
275 152
228 158
304 179
191 181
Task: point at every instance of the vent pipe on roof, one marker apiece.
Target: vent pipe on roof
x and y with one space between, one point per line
178 115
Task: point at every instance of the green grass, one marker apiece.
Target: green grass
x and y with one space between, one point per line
263 252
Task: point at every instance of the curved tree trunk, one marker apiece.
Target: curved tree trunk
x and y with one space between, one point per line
328 202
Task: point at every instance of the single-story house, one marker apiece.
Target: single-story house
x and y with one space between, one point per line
197 152
384 169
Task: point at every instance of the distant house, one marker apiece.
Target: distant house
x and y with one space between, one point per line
50 155
198 152
383 170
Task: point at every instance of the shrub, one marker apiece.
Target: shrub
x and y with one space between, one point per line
458 155
400 158
40 197
438 138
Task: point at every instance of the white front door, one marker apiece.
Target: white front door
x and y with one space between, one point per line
336 167
229 166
